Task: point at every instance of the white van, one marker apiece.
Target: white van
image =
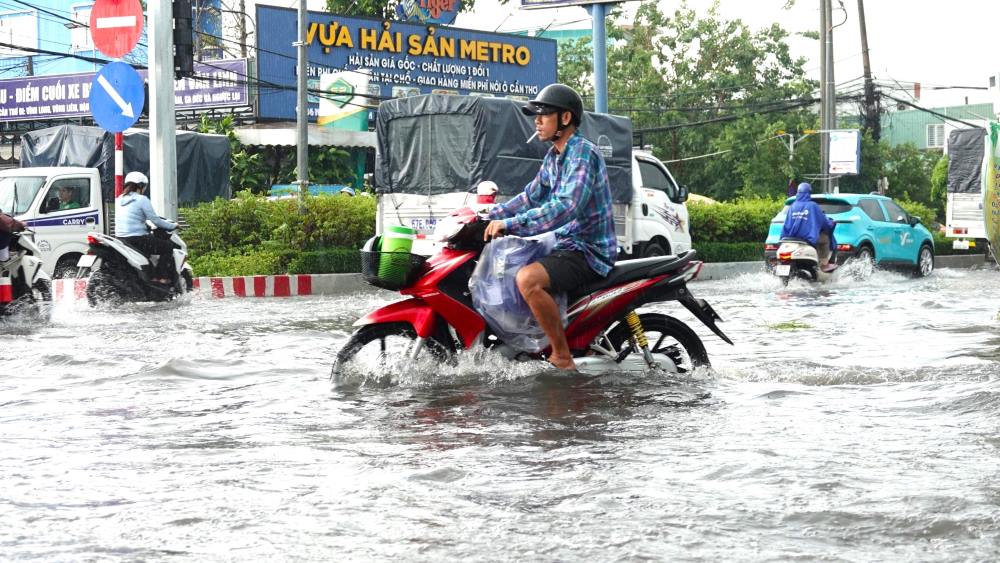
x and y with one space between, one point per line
61 204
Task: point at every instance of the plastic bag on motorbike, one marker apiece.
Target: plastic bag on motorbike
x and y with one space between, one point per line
495 295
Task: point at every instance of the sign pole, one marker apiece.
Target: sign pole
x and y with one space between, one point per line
119 163
597 14
162 122
302 156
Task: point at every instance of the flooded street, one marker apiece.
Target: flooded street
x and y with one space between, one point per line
852 422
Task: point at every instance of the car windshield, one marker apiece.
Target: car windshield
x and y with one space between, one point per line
17 193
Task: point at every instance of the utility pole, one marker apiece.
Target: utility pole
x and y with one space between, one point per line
162 120
241 27
303 107
873 122
824 138
827 94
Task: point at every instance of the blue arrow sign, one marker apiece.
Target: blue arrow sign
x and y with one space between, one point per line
116 97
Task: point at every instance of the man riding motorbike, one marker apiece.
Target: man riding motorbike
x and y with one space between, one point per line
806 221
132 210
571 196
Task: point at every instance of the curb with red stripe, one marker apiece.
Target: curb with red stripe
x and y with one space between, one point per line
257 286
243 286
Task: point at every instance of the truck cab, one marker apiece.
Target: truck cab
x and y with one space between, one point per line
61 204
658 215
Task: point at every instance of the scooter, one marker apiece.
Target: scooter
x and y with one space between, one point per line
604 330
118 272
23 283
799 259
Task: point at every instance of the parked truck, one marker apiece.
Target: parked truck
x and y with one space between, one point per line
63 203
433 151
967 159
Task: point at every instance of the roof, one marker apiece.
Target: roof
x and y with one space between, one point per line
283 134
849 198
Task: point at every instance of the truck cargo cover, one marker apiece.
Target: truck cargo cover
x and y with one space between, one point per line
966 148
203 161
436 143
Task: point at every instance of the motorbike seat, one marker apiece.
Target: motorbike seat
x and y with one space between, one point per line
631 270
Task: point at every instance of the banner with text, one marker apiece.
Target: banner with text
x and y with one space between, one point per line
991 188
217 84
402 59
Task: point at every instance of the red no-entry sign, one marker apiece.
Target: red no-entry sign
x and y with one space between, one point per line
116 26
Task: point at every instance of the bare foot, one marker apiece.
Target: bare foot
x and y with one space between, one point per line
563 362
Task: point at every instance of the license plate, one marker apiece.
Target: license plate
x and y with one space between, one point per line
86 261
783 269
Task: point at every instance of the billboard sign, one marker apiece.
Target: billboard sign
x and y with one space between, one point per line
219 84
428 11
845 152
539 4
400 59
991 188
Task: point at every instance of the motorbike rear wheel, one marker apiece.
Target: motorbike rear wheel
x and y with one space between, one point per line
102 287
375 353
667 336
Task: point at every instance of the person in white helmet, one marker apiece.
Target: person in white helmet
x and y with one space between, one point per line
132 210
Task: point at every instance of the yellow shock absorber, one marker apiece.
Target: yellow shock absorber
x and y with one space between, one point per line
639 336
637 331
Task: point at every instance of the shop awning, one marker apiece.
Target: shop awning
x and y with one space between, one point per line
283 134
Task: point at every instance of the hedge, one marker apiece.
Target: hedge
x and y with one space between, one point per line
745 220
731 251
251 234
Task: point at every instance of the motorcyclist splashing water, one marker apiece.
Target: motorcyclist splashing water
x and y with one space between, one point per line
132 210
806 221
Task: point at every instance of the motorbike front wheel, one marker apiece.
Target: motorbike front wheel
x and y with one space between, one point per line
667 336
379 353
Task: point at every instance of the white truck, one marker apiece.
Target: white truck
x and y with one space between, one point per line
434 150
61 204
967 150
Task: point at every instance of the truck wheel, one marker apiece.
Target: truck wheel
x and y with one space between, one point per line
653 249
66 267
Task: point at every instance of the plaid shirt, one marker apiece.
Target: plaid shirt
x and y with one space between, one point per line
570 195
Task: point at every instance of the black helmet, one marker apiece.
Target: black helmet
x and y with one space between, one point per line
559 97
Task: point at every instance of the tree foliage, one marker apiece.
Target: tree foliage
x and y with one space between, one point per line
734 83
257 168
384 9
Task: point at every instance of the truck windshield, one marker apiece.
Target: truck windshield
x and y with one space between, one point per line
17 193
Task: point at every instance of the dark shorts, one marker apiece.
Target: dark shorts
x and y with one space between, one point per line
568 270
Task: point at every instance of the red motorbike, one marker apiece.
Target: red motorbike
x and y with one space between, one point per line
604 330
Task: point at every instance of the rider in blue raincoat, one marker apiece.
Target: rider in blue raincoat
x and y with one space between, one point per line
806 221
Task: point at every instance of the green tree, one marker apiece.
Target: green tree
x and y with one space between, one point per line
715 85
939 185
385 9
909 172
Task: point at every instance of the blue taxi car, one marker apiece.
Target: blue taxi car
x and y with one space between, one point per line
871 228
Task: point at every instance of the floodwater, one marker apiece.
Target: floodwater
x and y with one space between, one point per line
851 422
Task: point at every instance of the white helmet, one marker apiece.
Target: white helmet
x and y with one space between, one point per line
136 177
